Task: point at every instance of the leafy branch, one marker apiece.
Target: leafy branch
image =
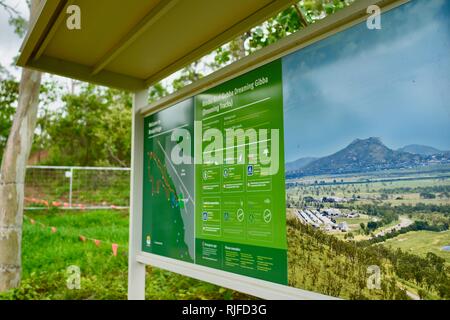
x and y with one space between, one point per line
19 23
9 9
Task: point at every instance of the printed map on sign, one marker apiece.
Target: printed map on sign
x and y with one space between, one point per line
168 188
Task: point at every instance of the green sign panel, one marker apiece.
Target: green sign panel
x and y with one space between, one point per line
233 216
240 223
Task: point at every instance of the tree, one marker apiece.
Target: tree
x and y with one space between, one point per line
91 128
156 92
9 91
12 174
187 75
72 128
422 294
50 92
427 195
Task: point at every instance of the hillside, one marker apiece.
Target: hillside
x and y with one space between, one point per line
362 155
299 163
324 264
420 149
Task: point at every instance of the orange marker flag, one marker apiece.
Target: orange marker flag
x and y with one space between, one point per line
83 238
114 249
53 230
97 242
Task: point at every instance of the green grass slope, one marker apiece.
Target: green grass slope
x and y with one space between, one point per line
47 255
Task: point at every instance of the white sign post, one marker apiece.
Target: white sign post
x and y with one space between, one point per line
136 270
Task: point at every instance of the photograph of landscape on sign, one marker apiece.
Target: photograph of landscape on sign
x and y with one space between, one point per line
367 149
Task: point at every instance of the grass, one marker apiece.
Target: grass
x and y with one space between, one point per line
421 242
355 221
46 256
372 191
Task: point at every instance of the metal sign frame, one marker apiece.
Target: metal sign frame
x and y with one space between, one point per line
354 14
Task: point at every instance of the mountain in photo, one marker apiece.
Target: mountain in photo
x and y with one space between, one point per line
363 155
299 163
420 149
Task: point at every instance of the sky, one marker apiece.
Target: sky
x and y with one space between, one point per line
9 41
391 83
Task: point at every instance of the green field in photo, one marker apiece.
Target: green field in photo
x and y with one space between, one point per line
422 242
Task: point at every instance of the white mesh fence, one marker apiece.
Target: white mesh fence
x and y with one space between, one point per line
77 187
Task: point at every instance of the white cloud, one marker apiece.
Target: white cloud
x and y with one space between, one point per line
9 41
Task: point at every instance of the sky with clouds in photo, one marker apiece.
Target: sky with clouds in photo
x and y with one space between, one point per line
392 83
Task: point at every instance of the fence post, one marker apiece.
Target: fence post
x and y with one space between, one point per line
71 185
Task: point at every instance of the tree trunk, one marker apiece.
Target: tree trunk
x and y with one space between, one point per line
12 175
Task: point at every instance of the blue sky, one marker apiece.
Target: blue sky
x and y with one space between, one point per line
392 83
